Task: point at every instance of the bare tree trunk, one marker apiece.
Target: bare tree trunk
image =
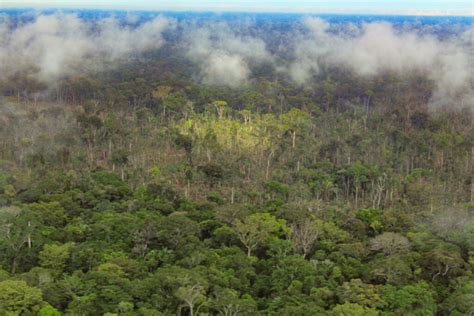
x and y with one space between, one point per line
293 138
14 265
268 165
110 148
29 235
356 196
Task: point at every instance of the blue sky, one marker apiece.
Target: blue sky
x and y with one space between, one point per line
412 7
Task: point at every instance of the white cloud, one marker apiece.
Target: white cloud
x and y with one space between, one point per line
223 56
55 45
379 47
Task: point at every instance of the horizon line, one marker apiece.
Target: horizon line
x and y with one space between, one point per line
408 13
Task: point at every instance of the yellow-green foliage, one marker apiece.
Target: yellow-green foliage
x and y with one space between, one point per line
230 133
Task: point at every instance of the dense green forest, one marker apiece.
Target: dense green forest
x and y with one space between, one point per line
138 191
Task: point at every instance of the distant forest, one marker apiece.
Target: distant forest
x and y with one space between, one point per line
235 164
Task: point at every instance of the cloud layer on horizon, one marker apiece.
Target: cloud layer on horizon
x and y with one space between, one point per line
224 57
378 47
49 47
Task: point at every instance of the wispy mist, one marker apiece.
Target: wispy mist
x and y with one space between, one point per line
224 57
375 48
52 46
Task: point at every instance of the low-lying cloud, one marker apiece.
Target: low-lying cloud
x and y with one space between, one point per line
49 47
52 46
224 57
375 48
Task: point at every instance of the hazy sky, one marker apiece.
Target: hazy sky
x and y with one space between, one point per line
415 7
